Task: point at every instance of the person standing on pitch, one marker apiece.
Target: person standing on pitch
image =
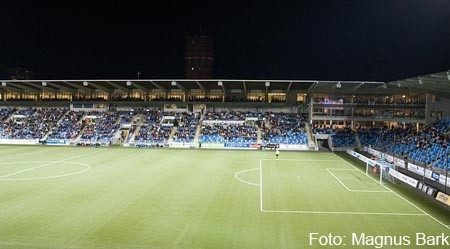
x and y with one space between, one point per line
277 153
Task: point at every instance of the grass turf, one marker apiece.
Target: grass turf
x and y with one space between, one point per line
137 198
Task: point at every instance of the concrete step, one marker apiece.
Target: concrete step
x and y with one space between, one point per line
198 129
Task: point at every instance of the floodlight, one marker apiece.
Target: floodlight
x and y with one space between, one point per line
44 83
267 83
420 80
338 85
128 83
4 83
174 83
220 83
85 83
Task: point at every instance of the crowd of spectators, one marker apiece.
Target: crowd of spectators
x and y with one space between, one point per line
224 115
229 128
284 129
101 128
31 123
340 137
321 129
186 128
152 132
232 135
427 147
5 113
69 127
126 117
344 137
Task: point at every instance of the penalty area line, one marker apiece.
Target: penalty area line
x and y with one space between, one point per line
345 186
397 194
342 213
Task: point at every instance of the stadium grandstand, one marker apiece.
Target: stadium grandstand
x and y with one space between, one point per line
399 129
405 117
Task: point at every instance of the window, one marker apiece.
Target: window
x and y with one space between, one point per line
47 95
29 96
64 95
155 96
177 96
100 95
277 97
255 96
301 97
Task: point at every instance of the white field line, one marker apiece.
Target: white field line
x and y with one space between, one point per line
50 163
347 169
260 186
26 162
87 168
244 181
355 190
337 212
401 197
370 191
332 212
339 180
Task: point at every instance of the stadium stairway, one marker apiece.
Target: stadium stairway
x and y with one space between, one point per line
172 133
259 135
358 141
117 137
199 127
77 139
311 141
139 119
57 124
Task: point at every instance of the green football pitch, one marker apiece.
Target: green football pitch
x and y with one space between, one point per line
64 197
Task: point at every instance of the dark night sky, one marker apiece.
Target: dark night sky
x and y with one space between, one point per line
328 40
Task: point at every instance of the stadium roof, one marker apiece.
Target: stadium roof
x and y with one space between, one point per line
183 84
438 83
